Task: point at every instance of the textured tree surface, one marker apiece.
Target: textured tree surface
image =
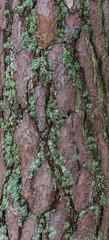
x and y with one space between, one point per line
54 112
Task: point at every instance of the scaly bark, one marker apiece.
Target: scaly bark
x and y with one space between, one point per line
54 118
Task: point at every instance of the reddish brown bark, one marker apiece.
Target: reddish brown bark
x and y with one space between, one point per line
54 118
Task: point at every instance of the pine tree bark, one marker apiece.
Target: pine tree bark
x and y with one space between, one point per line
54 119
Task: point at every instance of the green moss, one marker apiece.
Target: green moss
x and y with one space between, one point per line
99 188
3 233
60 26
52 232
66 179
28 4
10 150
105 35
68 237
82 213
99 78
67 58
43 226
89 140
73 66
29 40
49 138
62 177
76 34
9 89
98 75
35 166
12 186
30 104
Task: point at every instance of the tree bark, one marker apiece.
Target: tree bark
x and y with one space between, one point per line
54 119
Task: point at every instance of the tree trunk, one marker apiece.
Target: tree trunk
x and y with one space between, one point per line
54 112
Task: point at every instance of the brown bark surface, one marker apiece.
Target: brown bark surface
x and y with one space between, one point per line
54 120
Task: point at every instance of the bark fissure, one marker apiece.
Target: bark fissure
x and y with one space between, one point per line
54 119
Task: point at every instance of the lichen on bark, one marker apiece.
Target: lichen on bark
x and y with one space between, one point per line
54 119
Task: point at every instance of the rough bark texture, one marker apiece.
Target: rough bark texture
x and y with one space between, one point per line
54 119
